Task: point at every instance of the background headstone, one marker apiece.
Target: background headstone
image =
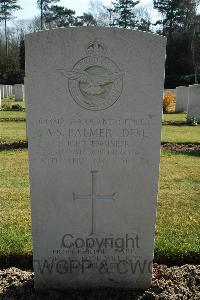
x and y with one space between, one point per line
182 98
2 91
10 90
5 91
94 107
194 103
19 92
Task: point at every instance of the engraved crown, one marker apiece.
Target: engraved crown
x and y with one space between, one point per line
95 48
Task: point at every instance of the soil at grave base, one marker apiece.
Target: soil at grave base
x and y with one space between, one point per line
172 147
181 148
173 283
13 145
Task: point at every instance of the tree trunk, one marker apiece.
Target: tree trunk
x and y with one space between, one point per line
194 60
171 23
196 75
125 21
6 36
41 15
110 17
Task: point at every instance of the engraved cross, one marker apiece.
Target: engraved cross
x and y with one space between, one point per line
93 197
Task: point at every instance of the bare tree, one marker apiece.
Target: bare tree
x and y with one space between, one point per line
7 7
44 6
195 46
100 12
144 16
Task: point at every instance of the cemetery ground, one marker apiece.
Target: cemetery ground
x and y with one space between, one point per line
178 223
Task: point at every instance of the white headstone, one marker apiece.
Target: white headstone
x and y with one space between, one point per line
94 120
181 98
194 103
6 91
19 92
11 90
3 91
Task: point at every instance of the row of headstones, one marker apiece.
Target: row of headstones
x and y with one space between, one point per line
188 100
6 91
9 90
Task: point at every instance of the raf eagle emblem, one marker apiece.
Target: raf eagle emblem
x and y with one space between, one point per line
95 82
93 85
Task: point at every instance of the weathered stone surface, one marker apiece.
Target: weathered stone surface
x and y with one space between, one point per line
2 87
181 98
94 106
19 92
194 103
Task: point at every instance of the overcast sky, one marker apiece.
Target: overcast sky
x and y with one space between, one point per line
29 7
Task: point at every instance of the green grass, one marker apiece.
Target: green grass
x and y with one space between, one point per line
12 114
178 223
11 101
180 117
180 134
12 131
15 226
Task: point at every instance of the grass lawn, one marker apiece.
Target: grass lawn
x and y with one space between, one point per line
12 114
11 101
12 131
181 134
178 223
15 226
180 117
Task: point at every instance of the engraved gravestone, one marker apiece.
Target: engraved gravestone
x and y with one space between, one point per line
194 103
94 119
19 92
181 98
2 91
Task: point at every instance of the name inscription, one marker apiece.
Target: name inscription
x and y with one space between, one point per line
77 142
